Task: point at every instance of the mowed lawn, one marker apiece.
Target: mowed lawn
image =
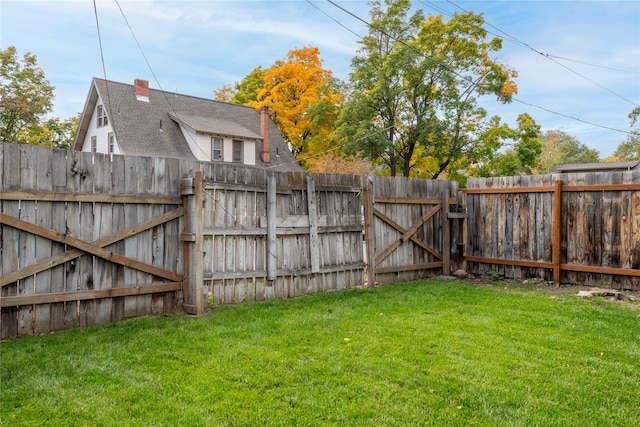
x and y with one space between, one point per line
424 353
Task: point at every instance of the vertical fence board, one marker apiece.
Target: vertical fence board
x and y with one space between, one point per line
27 241
58 222
44 247
10 180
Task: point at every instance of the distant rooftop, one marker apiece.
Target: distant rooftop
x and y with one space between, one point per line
598 167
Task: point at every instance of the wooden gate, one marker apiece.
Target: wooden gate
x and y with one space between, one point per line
408 228
81 244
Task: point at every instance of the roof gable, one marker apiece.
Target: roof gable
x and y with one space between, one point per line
215 126
153 128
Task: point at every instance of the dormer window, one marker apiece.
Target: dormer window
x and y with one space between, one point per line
102 116
237 151
216 149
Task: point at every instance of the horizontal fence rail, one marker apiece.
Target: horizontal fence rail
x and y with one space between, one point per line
85 239
583 228
90 238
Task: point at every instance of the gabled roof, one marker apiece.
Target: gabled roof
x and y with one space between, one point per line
215 127
152 128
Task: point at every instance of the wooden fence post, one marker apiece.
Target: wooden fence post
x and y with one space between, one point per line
446 237
313 226
271 228
191 189
556 231
369 231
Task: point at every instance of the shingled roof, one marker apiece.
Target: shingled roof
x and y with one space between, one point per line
151 128
598 167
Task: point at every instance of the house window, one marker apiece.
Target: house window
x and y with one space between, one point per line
112 143
94 144
216 148
237 151
102 116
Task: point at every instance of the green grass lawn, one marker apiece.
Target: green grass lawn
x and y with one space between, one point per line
427 353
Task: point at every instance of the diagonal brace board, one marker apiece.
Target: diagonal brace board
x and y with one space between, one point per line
94 248
407 234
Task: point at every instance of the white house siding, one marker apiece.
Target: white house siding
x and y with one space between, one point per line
101 134
200 145
195 142
249 152
227 151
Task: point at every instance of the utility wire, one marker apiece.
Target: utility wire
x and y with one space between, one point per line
335 20
453 71
164 94
593 65
104 68
552 58
571 117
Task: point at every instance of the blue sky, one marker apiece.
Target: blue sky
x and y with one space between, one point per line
577 58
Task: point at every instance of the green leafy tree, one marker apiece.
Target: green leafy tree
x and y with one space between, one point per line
528 146
414 89
521 156
25 97
62 132
561 148
247 90
630 149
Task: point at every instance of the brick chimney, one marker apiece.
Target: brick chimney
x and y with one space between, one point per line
264 132
141 89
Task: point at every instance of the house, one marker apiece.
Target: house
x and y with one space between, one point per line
134 120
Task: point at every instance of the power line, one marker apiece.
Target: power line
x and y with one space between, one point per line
104 68
552 58
164 94
593 65
571 117
335 20
453 71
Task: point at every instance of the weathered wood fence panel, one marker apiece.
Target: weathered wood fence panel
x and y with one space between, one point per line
80 239
89 239
581 228
411 228
277 235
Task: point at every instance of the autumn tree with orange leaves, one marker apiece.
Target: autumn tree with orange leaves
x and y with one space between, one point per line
303 100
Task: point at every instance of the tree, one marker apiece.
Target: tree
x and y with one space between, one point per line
62 132
301 96
528 146
25 97
630 149
303 100
561 148
414 89
522 156
246 91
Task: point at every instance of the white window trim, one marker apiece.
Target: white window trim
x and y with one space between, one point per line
101 116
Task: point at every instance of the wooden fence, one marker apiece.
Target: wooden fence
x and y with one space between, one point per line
413 228
579 228
271 235
88 239
85 239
